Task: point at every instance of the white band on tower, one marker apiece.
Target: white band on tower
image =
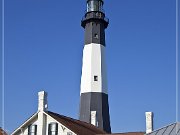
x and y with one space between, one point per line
94 69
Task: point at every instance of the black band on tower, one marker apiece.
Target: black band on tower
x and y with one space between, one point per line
95 24
95 101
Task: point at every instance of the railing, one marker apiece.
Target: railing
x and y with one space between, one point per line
86 11
101 10
97 15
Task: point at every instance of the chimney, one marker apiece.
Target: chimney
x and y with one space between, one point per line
42 101
149 122
93 118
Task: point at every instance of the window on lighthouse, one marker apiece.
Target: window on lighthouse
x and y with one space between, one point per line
95 35
95 78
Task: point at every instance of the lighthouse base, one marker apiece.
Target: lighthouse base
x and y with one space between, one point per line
95 102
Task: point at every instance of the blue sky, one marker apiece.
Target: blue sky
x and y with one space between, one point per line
43 51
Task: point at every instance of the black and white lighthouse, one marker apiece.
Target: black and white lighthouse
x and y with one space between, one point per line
94 107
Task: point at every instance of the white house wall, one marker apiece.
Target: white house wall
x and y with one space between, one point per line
62 130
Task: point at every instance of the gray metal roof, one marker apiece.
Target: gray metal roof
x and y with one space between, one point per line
172 129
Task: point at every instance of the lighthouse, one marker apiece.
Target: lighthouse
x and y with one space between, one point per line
94 107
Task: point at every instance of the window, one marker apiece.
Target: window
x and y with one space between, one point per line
95 78
69 133
53 129
32 130
95 35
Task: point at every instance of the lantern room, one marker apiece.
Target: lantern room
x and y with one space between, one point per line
94 5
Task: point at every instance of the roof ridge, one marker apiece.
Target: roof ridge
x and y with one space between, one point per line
69 118
83 124
164 127
75 120
25 121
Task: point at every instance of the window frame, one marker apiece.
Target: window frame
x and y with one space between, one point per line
30 131
50 131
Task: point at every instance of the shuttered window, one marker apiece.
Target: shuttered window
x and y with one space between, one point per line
32 130
53 129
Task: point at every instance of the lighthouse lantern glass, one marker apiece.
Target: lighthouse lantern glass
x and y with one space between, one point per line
94 5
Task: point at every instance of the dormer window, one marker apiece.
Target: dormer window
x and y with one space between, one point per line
32 130
53 129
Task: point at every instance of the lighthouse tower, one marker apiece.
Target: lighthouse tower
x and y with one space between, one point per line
94 106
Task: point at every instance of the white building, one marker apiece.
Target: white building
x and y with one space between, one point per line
44 122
